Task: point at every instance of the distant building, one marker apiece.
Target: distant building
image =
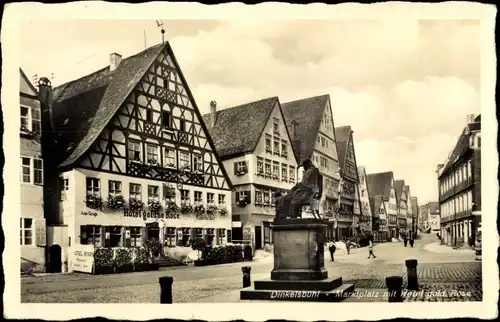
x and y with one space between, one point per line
382 184
409 210
379 211
459 180
364 199
350 211
33 232
401 197
415 212
310 121
430 217
254 144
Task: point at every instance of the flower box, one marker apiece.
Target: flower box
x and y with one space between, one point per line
223 211
94 202
116 202
170 192
242 202
154 206
135 204
186 208
211 209
171 207
199 209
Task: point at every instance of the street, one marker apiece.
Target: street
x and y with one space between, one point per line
455 270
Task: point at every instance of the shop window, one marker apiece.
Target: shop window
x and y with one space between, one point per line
26 231
170 237
135 237
185 237
198 233
221 236
90 235
210 236
112 236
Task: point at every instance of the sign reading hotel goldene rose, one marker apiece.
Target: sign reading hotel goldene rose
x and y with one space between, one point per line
82 258
149 214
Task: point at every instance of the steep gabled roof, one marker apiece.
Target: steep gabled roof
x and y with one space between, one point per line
82 108
380 183
433 208
375 203
308 113
237 130
342 136
399 186
31 86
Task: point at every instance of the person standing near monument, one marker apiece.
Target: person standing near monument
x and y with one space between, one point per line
370 249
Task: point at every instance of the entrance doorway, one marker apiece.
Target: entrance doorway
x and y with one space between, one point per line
258 237
55 260
153 232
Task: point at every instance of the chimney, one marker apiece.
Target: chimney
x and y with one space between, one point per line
470 118
213 113
114 60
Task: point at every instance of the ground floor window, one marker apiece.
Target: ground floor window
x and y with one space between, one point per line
26 231
198 233
90 235
184 237
170 237
210 236
229 235
132 237
221 236
112 236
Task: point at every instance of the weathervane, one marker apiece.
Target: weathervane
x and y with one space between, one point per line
160 24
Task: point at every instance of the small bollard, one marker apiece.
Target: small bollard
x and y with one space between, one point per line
166 289
394 288
246 276
411 268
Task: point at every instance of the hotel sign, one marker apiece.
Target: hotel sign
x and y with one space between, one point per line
149 214
83 258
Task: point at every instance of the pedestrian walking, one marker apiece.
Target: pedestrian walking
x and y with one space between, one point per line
405 240
348 246
370 249
411 241
332 248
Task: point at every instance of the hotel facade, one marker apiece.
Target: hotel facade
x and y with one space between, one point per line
254 143
131 159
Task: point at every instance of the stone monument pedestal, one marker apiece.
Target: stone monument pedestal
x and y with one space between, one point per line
299 272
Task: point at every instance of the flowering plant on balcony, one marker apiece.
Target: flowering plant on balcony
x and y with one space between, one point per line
186 207
116 202
211 208
169 192
241 171
242 202
154 205
199 209
223 211
171 207
135 203
94 202
152 162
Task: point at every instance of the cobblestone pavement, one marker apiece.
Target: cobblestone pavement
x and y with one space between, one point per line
192 284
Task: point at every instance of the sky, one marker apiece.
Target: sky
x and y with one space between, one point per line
405 86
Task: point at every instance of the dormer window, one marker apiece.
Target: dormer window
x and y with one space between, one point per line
269 148
240 168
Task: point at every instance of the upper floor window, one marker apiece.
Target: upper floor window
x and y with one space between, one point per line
149 115
276 147
31 170
134 150
276 126
324 142
135 192
222 199
169 159
284 172
198 197
197 163
260 165
291 174
182 125
153 193
269 148
185 196
26 231
166 119
240 167
267 167
210 198
30 120
284 149
63 187
115 188
184 158
93 187
152 153
276 170
469 168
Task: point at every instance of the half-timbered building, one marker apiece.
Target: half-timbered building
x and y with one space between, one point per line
364 200
349 212
253 141
311 125
401 197
33 234
382 184
379 228
409 212
133 157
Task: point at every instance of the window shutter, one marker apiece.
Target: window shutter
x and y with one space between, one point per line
249 197
235 167
41 237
